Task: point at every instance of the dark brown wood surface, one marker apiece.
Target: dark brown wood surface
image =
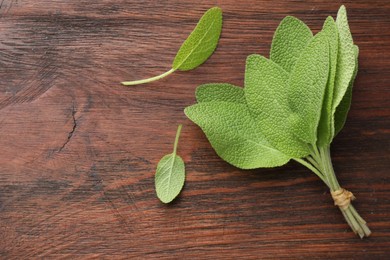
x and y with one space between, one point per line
78 151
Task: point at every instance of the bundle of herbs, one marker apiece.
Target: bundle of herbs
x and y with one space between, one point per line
291 107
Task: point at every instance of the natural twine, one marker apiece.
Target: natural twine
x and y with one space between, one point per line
342 198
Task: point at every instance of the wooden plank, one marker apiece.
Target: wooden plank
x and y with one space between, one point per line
78 151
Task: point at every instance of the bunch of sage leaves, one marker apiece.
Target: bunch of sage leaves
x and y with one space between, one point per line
291 107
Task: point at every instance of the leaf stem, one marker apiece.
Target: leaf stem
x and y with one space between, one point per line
354 220
312 168
320 162
314 162
177 139
315 153
142 81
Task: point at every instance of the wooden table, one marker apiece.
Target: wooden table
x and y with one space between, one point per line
78 151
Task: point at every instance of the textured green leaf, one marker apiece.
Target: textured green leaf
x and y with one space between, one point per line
307 87
290 39
169 178
202 41
342 110
326 124
170 174
266 92
345 60
220 92
234 135
196 49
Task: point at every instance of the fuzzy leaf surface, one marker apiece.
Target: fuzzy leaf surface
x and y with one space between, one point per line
326 124
346 58
234 135
201 43
290 39
220 92
266 92
169 177
342 110
307 88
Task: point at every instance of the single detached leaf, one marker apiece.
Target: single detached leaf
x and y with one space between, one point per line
234 135
170 174
196 49
220 92
307 87
342 110
326 124
346 58
266 92
290 39
201 43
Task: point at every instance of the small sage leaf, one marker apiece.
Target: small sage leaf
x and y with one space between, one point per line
170 174
202 41
196 49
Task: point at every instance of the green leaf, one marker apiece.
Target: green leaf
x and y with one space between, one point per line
342 110
170 174
196 49
234 135
326 124
346 58
290 39
307 87
220 92
201 43
266 92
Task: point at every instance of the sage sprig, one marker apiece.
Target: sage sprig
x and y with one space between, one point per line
170 174
291 107
197 48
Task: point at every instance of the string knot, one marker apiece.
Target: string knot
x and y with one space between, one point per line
342 198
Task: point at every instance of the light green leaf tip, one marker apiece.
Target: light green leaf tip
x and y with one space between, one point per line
326 124
234 135
202 41
346 58
220 92
170 174
290 39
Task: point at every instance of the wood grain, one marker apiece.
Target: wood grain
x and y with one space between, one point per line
78 151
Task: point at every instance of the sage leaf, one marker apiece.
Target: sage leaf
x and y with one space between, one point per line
266 92
307 87
220 92
290 39
196 49
201 43
170 174
234 135
346 58
342 110
326 124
